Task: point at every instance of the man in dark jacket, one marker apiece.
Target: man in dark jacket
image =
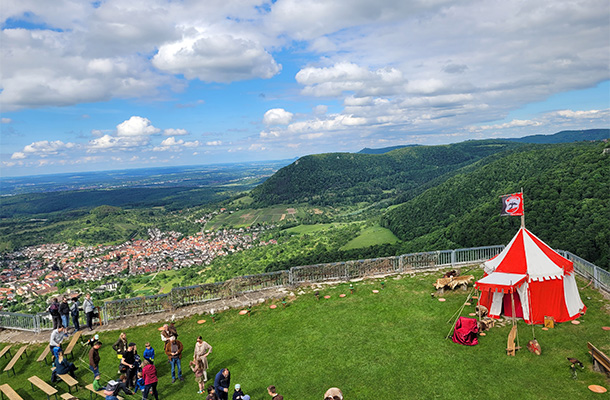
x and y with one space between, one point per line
74 312
129 361
94 358
222 383
54 311
64 312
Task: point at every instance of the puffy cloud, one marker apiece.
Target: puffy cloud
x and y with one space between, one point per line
214 143
171 143
45 147
277 116
6 120
136 126
349 77
18 155
175 132
219 58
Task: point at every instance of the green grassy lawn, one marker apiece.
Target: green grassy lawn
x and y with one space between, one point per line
373 346
371 236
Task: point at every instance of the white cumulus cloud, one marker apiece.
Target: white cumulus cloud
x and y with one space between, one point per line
277 116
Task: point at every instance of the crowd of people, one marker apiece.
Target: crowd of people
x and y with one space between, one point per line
138 373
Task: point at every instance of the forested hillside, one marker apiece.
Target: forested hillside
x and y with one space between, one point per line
567 203
346 178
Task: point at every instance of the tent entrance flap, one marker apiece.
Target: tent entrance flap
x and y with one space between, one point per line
507 306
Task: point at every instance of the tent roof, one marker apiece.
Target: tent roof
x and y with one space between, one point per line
528 255
501 282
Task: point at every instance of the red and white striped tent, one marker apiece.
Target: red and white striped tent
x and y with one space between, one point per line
540 281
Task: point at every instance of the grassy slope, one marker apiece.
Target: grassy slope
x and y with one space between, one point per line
386 345
371 236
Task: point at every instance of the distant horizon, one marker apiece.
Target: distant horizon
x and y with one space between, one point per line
87 86
271 160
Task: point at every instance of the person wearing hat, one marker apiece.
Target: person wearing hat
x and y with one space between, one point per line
173 349
92 340
238 394
94 358
128 363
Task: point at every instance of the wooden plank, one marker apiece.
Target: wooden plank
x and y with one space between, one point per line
69 381
6 349
42 385
44 354
72 343
9 392
68 396
11 365
599 357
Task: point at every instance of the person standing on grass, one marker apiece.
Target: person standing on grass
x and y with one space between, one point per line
149 353
129 362
94 358
120 345
88 309
173 349
202 351
273 393
222 383
197 368
149 372
64 312
74 312
211 394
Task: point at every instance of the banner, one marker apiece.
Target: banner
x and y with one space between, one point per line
512 204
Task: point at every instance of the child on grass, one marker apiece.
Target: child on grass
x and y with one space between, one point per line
149 353
139 383
211 394
198 368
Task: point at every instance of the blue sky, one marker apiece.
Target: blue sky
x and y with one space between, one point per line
114 84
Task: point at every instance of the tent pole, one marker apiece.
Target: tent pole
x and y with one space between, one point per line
522 215
512 301
458 314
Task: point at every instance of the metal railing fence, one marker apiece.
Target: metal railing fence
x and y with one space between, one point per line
184 296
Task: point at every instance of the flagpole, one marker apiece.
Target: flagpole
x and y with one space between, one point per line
523 215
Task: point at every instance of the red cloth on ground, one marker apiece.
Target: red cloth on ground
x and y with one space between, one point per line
465 331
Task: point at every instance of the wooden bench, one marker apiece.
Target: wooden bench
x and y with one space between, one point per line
9 392
68 396
68 379
43 356
601 362
98 392
11 364
42 385
6 349
72 343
